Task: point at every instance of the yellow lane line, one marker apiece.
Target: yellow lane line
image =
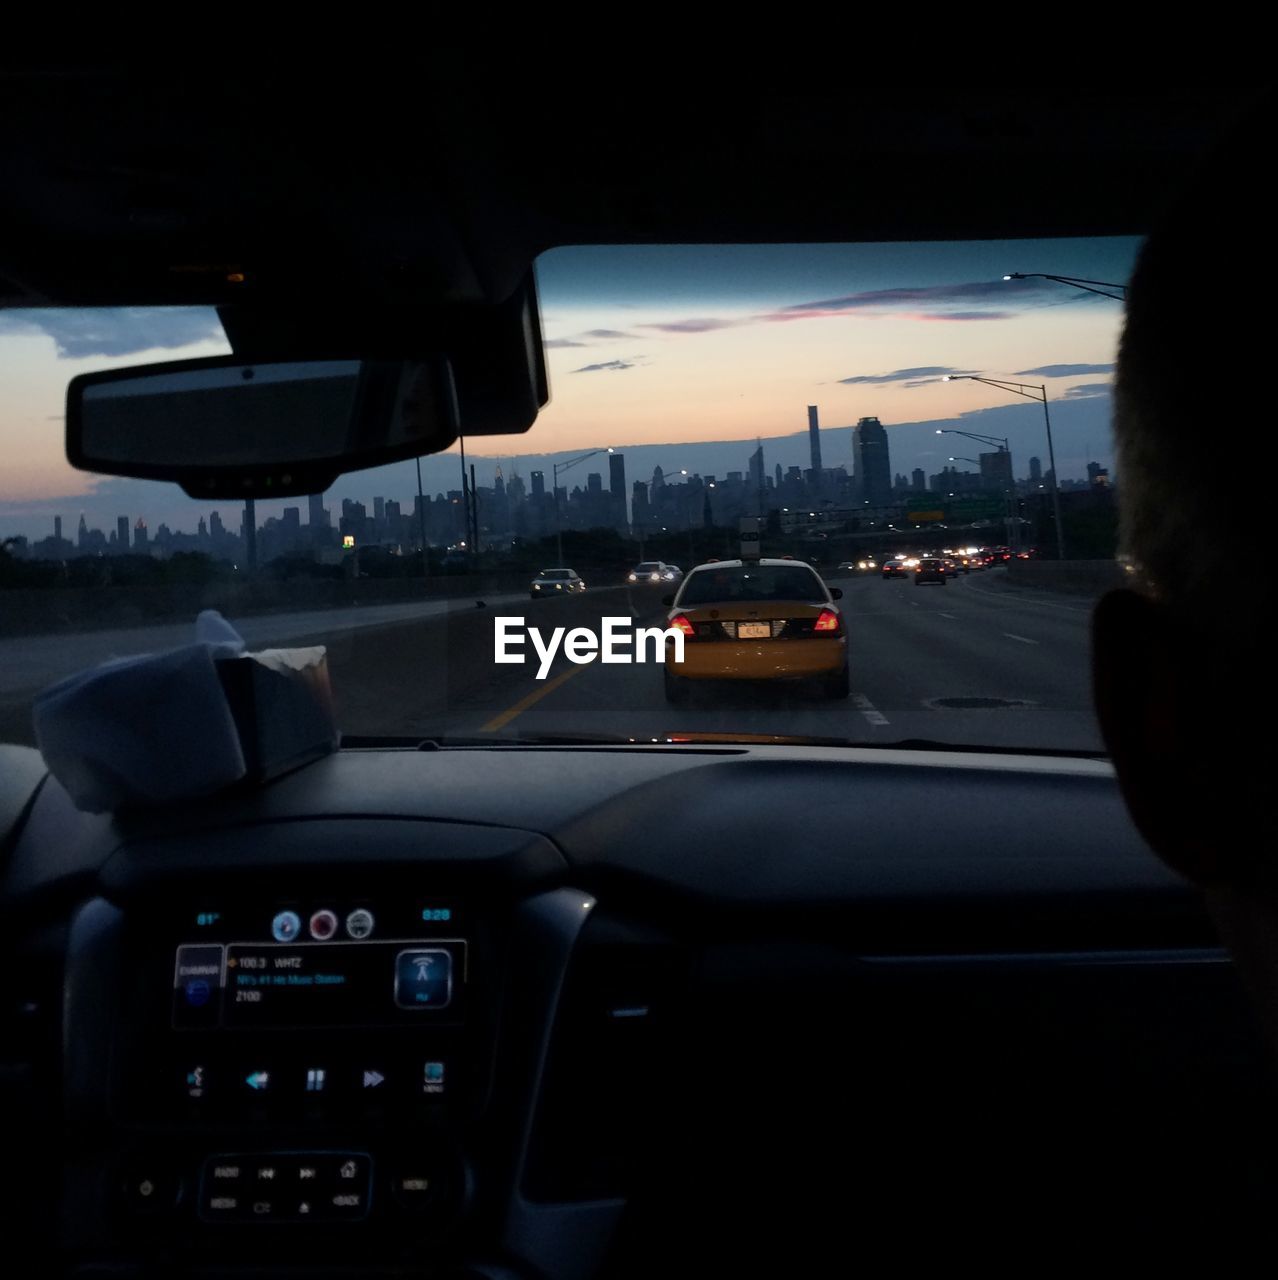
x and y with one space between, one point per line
501 721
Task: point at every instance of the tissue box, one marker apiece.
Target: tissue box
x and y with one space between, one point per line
282 705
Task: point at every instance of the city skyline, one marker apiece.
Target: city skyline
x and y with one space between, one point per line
653 348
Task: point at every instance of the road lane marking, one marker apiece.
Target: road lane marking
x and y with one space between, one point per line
867 709
530 700
1022 639
952 616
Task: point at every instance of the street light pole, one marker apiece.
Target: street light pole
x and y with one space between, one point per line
1013 521
421 520
1088 286
555 470
1031 391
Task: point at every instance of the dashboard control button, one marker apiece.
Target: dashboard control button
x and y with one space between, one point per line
424 978
347 1204
414 1188
226 1173
286 926
323 925
150 1190
257 1081
434 1076
359 924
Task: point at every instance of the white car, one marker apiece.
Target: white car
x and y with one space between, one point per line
551 582
654 573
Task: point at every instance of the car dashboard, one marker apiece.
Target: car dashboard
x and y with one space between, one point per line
538 1011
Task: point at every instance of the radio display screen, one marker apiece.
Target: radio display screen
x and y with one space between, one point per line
322 966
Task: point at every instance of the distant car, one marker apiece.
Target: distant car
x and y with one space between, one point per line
895 568
930 569
865 565
757 620
654 573
550 582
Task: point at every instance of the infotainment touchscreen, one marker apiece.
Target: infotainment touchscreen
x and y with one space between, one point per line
322 965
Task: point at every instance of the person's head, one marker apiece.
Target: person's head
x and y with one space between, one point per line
1181 660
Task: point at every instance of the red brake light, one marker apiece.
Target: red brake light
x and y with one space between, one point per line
679 622
828 621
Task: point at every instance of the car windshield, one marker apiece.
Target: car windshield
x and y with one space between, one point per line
728 584
837 404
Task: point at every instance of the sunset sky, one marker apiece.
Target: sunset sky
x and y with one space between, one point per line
659 350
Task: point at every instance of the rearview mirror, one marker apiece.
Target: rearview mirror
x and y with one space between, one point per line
226 428
836 593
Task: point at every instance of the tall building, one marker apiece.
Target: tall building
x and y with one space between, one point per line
82 534
139 535
871 466
756 479
1036 469
617 488
122 533
918 479
639 506
814 439
996 471
538 479
57 527
317 513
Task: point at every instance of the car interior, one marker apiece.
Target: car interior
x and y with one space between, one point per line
677 1007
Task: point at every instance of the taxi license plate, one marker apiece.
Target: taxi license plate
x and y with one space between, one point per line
754 631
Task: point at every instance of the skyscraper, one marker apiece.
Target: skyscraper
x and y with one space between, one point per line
1036 469
316 512
538 485
814 441
57 527
617 488
918 479
871 466
996 471
639 506
756 479
122 533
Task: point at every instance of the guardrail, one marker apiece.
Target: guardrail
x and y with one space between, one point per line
58 610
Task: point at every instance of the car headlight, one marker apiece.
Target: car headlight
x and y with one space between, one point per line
536 586
633 578
669 577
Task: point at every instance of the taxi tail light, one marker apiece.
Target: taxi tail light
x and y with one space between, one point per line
680 623
828 622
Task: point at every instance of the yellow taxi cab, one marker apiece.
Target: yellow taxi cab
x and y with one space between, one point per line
756 620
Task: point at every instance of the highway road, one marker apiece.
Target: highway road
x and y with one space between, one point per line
975 662
972 662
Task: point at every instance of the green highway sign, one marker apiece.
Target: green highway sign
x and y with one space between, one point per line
975 508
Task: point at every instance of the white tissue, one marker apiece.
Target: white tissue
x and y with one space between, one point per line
146 730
